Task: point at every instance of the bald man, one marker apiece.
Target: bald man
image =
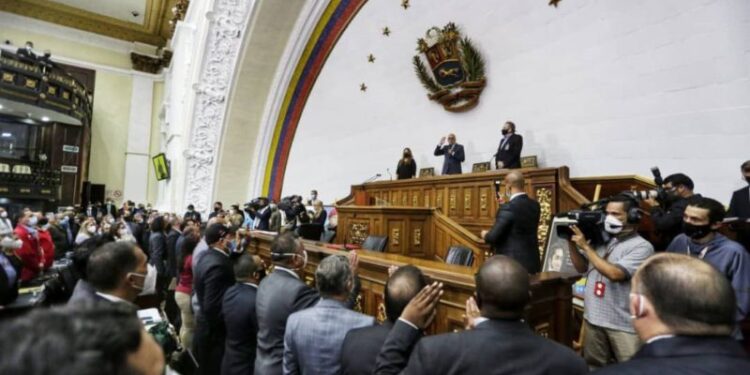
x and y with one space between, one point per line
515 230
453 152
683 309
499 341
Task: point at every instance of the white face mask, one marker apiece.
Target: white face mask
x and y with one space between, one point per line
149 283
612 225
32 221
91 229
3 214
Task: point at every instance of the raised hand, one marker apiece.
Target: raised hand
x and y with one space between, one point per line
422 309
471 314
354 262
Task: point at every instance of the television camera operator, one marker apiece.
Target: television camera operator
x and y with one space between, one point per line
609 336
668 206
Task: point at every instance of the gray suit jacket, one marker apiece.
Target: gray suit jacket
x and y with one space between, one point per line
313 338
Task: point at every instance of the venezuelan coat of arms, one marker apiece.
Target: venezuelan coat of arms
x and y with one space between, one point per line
456 76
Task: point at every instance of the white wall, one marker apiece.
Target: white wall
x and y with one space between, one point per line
605 87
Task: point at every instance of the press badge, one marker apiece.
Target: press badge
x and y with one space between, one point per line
599 289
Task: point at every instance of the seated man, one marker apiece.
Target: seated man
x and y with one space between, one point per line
702 220
683 309
500 342
119 272
87 339
313 337
362 345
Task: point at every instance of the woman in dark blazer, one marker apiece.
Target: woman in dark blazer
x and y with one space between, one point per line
407 167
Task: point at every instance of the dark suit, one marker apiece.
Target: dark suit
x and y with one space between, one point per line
279 295
172 252
361 348
212 276
739 206
515 232
110 209
454 156
509 151
683 355
157 250
239 315
193 215
263 216
493 347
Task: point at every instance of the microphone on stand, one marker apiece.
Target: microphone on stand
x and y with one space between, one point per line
389 173
373 178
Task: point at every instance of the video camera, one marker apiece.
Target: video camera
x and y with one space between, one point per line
589 219
659 193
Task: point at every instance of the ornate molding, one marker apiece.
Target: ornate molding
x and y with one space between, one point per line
544 197
228 21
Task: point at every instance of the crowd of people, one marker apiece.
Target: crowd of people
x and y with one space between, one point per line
674 310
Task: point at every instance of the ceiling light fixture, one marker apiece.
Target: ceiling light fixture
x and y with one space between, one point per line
45 118
7 135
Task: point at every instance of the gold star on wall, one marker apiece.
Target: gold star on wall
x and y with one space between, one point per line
405 4
362 87
386 31
371 58
554 3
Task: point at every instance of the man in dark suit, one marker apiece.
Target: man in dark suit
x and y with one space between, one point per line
192 214
498 340
362 345
508 153
239 315
118 272
279 295
684 311
515 230
212 277
454 154
109 208
739 206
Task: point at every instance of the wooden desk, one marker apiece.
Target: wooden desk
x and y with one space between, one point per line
549 313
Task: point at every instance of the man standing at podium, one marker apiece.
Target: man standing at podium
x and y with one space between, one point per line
454 154
509 151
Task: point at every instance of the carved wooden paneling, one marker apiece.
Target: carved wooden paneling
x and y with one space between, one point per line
549 312
358 231
453 202
468 205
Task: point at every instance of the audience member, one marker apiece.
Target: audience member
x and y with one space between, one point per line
684 311
279 295
157 251
515 230
218 208
239 314
59 238
313 337
30 253
192 214
6 227
500 342
362 345
45 240
702 220
86 231
183 291
119 272
86 339
10 269
274 222
609 336
739 206
212 276
668 219
83 290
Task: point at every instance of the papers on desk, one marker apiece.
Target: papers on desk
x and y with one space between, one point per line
149 317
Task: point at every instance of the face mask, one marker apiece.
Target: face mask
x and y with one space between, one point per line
505 131
122 232
612 225
4 215
91 229
149 282
33 221
216 209
696 231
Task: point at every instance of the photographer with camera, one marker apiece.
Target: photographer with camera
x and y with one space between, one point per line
667 211
609 336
